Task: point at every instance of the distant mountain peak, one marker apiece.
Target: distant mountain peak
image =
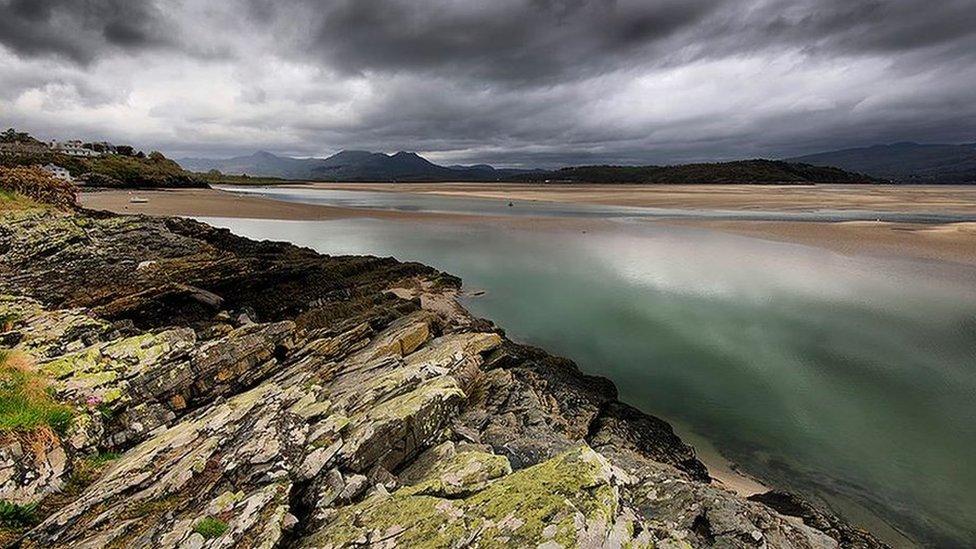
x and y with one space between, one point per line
347 165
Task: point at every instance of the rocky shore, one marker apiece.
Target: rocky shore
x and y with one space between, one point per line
232 393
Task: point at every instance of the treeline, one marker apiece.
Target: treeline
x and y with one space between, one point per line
738 172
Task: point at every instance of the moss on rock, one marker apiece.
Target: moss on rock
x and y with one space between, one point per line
566 501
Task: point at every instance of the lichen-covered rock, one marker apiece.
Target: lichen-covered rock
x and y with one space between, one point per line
153 495
46 333
447 471
261 395
568 501
393 430
102 372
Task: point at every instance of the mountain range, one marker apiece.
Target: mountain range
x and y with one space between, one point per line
897 162
348 166
904 162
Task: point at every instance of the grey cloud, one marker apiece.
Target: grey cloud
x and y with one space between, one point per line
542 41
78 30
505 40
525 82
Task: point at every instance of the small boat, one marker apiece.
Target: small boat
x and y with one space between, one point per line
138 200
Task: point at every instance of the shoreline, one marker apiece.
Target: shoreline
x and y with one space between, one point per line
958 199
953 243
215 203
208 203
359 378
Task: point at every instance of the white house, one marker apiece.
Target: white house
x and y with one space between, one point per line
58 172
72 148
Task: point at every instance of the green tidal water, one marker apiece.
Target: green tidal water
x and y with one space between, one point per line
849 380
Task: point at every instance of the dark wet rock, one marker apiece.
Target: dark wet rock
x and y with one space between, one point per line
792 505
622 426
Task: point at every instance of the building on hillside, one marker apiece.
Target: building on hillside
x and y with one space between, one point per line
72 148
23 148
58 172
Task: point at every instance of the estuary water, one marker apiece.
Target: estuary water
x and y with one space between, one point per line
850 380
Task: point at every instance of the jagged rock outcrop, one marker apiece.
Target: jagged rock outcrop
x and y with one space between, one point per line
262 395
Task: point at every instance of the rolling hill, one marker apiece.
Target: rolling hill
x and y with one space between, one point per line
904 162
738 172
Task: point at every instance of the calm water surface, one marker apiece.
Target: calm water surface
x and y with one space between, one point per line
850 380
431 203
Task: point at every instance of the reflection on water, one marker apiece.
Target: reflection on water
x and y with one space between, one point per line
430 203
846 379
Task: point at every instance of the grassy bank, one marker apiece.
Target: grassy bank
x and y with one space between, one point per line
223 179
26 400
114 170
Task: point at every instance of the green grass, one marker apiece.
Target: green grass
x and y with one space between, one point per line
210 528
13 515
26 400
102 458
10 200
224 179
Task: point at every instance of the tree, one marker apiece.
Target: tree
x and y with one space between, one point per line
13 136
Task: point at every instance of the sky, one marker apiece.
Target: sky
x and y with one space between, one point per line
541 83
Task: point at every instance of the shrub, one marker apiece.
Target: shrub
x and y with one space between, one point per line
134 171
210 528
26 400
38 185
13 515
7 321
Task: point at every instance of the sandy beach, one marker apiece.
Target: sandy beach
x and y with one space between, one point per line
952 242
958 199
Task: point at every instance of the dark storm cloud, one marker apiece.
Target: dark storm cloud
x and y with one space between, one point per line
505 40
889 26
538 40
79 30
508 81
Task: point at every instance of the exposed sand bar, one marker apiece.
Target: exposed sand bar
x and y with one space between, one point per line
217 203
957 199
207 203
954 242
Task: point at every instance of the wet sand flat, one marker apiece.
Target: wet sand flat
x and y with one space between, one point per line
953 242
958 199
